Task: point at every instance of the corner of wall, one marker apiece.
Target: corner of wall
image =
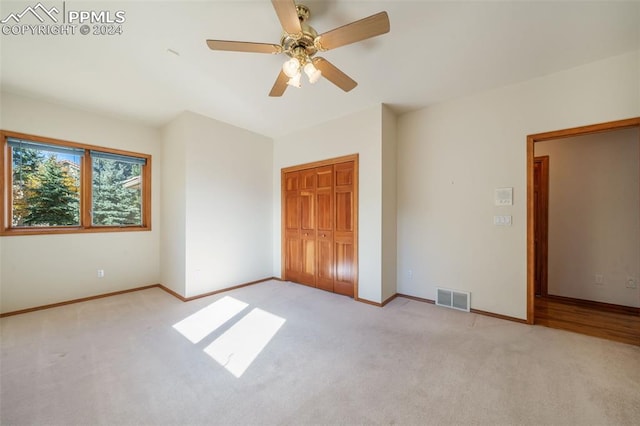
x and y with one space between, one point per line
389 203
218 193
172 231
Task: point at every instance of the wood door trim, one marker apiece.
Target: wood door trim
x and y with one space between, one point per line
321 163
356 185
586 130
539 137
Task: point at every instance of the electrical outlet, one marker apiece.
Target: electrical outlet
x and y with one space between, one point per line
100 273
410 274
599 279
631 283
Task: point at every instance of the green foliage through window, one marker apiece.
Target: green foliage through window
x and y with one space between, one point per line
47 187
116 192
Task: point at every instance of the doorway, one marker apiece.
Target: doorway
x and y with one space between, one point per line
541 222
538 290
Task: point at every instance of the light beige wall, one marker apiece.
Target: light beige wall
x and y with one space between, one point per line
594 216
174 194
228 209
451 157
358 133
218 197
44 269
389 205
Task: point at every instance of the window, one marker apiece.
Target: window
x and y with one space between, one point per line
116 183
52 186
45 187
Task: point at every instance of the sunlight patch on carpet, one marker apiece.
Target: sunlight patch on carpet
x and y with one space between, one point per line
204 322
239 346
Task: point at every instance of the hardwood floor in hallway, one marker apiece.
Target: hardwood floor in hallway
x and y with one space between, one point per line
593 321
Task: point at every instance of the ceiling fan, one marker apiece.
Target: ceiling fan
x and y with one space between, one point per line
301 42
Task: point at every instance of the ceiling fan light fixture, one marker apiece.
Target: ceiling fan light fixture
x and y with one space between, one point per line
300 42
312 72
291 67
295 81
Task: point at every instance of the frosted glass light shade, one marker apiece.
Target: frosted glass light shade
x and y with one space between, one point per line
312 72
291 67
295 81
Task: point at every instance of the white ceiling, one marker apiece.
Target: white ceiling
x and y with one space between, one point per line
435 51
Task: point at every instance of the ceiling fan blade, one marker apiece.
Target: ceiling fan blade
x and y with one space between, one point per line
243 46
280 85
288 15
363 29
334 75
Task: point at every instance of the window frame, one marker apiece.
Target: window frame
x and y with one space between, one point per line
86 187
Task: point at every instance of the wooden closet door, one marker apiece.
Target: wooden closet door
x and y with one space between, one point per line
291 219
324 222
319 217
308 227
344 229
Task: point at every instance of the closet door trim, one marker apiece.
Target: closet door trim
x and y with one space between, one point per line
321 163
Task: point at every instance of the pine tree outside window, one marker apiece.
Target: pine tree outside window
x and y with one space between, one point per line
117 189
52 186
46 184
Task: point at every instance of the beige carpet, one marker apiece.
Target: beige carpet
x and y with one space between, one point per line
324 359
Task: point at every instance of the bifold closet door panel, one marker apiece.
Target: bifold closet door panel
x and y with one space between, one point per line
293 256
324 234
292 237
308 258
344 263
308 227
344 241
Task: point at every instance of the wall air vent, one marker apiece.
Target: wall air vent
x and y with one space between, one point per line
454 299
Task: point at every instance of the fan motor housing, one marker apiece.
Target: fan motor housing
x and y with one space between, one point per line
293 43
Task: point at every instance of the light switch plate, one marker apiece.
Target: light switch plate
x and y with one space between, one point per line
502 220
